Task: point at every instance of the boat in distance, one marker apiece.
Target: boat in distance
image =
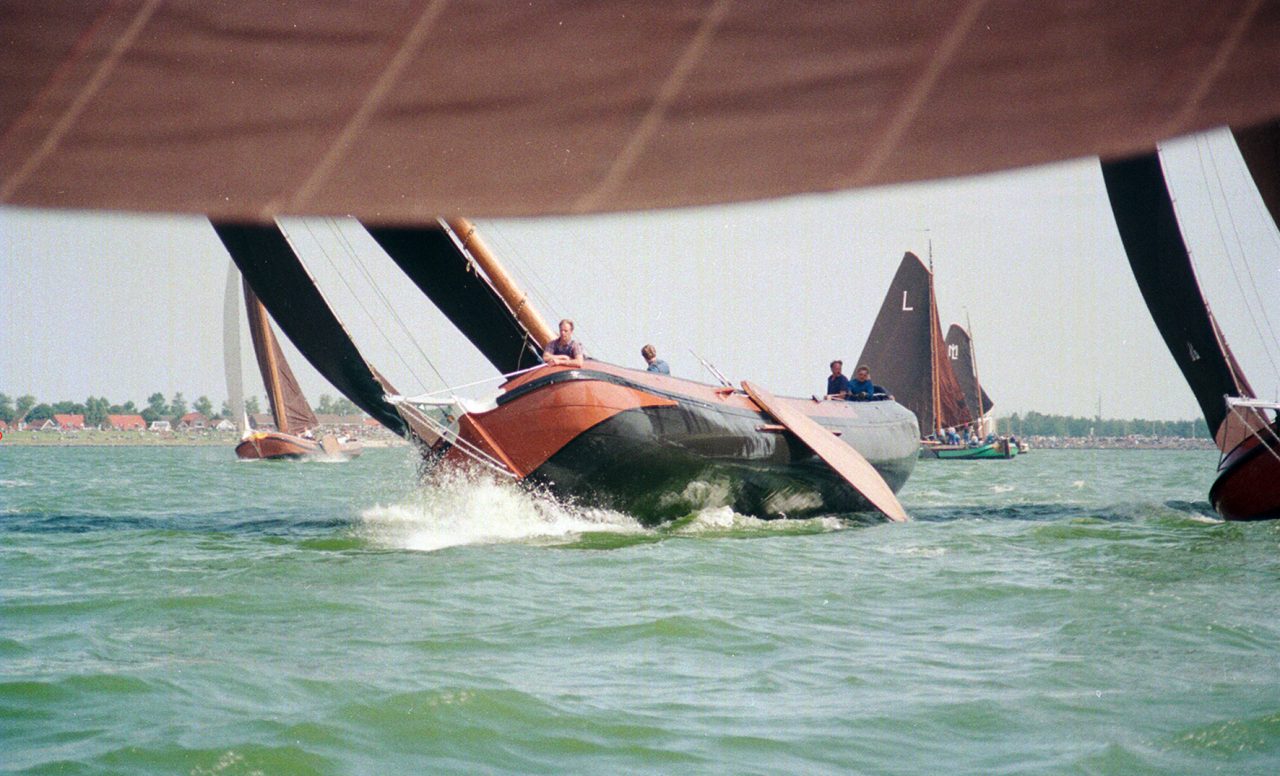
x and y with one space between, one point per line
598 435
659 446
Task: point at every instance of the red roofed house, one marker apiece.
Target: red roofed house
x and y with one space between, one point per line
69 422
126 423
44 424
193 420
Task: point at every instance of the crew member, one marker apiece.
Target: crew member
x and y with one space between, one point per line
564 350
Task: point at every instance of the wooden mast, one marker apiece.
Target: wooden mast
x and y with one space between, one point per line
977 382
515 298
935 390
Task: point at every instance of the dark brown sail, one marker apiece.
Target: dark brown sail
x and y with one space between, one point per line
286 289
905 350
1260 147
1158 256
289 407
435 263
397 110
960 354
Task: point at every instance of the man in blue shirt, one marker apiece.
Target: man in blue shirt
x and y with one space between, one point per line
862 389
655 364
837 383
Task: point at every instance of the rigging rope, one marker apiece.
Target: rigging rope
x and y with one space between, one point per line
1235 230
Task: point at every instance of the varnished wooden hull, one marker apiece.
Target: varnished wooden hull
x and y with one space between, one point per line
1248 483
658 447
273 445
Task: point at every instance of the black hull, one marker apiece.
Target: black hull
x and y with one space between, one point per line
660 463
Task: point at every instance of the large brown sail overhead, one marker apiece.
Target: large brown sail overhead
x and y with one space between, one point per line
905 350
963 364
292 413
396 111
1260 147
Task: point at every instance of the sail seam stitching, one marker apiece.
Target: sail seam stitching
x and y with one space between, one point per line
1225 50
626 159
914 101
73 112
364 114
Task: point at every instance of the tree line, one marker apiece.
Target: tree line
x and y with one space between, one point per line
1037 424
96 408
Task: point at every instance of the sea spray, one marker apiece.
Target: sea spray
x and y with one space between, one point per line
461 508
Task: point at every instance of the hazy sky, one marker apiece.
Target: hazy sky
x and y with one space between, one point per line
126 305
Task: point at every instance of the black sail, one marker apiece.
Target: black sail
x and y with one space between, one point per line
287 290
1158 256
904 350
435 263
960 354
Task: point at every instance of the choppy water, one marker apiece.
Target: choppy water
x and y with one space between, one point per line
174 611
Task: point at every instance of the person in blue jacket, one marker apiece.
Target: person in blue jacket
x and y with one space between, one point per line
862 389
650 355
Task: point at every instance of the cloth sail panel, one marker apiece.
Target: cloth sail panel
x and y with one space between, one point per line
282 283
289 407
898 348
1158 256
949 405
231 347
960 354
435 263
396 111
1260 147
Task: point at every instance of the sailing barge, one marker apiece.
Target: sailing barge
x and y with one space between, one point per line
295 422
1247 486
653 445
907 352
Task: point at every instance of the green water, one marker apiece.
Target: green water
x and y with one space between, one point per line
174 611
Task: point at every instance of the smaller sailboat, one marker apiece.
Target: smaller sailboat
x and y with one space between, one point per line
295 423
1248 482
907 353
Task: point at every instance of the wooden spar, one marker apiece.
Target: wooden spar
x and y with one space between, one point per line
515 298
977 381
846 461
935 390
272 375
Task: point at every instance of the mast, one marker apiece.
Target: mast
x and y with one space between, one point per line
231 349
935 325
973 364
515 298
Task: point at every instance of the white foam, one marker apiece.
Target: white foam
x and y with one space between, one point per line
457 509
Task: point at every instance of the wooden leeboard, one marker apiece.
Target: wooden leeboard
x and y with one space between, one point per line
846 461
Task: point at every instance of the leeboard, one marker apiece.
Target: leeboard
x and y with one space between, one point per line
846 461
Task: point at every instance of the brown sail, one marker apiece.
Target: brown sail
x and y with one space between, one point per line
906 353
289 407
261 107
963 364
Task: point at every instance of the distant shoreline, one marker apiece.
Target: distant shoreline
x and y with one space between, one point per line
229 439
150 439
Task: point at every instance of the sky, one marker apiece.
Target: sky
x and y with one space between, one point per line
125 305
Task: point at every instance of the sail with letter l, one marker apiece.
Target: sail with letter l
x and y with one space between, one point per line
906 354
